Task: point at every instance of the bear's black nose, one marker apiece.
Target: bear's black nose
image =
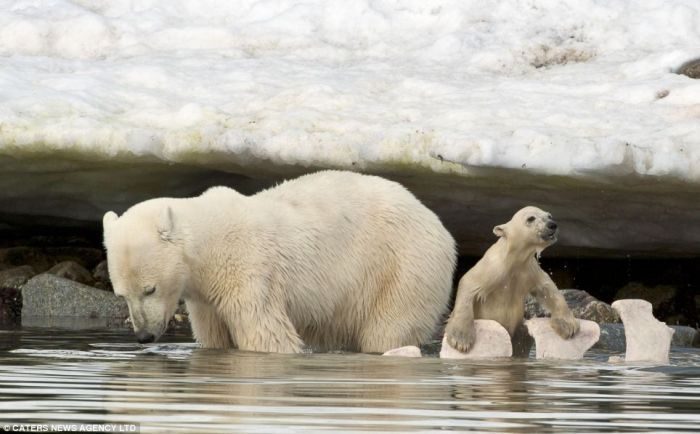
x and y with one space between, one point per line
145 338
552 225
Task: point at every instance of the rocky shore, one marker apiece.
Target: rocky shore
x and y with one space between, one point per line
612 332
64 282
64 286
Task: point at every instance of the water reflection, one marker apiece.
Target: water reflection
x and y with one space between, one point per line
100 377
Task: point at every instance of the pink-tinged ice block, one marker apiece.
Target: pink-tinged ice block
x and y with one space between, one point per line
492 341
648 339
549 345
408 351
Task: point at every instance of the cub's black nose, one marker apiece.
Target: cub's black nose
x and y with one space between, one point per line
145 338
552 225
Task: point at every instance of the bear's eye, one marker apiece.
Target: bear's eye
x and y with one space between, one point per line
149 291
531 219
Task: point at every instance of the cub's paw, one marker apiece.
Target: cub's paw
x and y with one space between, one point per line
565 327
460 338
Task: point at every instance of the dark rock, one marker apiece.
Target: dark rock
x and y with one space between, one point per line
43 258
15 277
582 304
669 304
74 322
469 202
72 271
10 306
181 319
585 306
612 337
533 309
101 275
563 277
690 68
660 297
49 296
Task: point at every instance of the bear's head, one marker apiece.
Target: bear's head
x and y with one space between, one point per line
530 228
146 265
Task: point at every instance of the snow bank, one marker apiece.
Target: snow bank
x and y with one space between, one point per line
568 87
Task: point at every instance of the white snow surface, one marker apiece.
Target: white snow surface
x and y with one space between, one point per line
570 87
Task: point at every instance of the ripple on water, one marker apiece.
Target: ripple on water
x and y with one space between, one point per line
175 387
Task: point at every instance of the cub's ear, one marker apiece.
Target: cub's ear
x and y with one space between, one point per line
109 218
500 231
166 224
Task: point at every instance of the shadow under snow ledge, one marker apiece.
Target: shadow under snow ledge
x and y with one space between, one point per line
604 216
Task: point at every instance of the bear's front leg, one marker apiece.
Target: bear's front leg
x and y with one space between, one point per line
563 321
565 327
209 330
263 328
459 331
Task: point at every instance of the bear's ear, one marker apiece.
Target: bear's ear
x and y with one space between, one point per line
166 224
500 231
109 218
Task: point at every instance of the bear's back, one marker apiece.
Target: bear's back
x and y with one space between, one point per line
335 182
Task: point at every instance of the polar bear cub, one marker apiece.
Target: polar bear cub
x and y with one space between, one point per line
332 260
496 287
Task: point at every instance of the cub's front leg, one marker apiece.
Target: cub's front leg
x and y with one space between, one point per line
459 331
547 294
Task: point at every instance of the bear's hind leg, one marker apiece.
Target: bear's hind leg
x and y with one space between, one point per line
407 312
379 338
386 330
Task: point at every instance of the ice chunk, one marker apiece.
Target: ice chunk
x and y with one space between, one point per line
648 340
407 351
492 340
549 345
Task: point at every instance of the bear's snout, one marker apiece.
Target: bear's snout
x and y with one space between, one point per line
552 225
145 338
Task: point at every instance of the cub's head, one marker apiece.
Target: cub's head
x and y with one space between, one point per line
530 227
145 260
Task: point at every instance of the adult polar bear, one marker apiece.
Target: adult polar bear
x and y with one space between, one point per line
331 260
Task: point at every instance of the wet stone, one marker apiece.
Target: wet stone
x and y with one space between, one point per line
582 305
612 337
683 336
49 296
